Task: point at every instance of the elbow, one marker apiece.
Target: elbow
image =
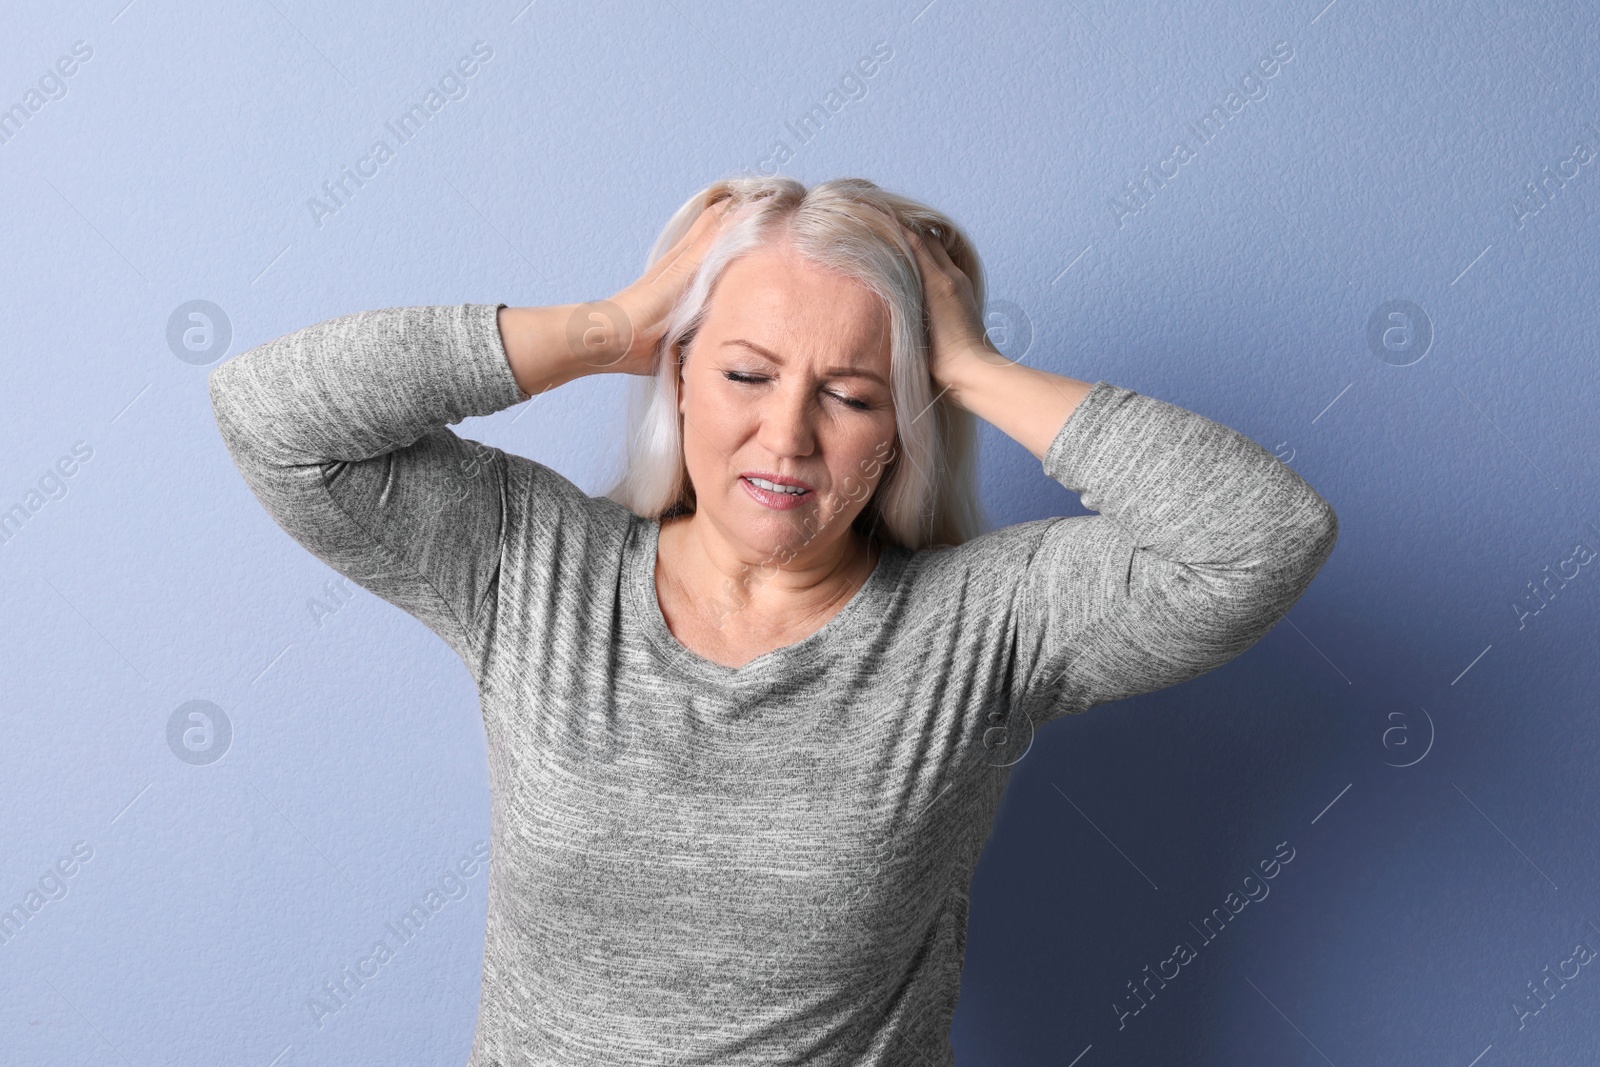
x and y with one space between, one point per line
1296 534
1251 601
216 387
1322 532
1307 542
240 434
1295 545
1234 604
1299 531
222 410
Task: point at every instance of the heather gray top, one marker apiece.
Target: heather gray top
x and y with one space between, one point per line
700 864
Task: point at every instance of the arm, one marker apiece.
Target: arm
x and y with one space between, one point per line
340 430
1203 540
1028 404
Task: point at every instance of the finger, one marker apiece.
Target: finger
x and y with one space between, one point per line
935 248
931 252
933 262
918 248
695 240
688 257
940 255
704 224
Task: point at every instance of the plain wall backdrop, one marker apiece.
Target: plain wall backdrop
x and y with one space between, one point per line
1377 260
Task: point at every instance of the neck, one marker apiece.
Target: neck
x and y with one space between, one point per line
721 576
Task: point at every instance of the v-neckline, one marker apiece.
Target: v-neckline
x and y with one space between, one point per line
865 605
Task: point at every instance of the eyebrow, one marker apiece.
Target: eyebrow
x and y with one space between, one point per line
835 372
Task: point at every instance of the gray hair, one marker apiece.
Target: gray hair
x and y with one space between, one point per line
927 494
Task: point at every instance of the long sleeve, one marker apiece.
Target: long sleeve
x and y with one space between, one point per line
340 431
1202 541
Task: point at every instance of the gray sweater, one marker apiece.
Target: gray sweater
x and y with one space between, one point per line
699 864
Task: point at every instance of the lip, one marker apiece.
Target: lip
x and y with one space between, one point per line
776 501
776 479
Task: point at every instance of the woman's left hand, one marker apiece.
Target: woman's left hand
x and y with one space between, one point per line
956 334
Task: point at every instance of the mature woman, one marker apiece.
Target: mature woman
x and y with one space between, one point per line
751 713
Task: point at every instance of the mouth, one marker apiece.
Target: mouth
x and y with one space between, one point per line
776 491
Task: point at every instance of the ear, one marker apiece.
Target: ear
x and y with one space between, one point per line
678 365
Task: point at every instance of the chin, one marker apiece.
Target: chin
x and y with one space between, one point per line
769 532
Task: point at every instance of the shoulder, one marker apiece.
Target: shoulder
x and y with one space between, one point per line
1000 546
990 562
542 496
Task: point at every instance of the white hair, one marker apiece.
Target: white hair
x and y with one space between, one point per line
927 494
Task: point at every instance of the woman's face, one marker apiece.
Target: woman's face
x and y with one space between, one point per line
788 376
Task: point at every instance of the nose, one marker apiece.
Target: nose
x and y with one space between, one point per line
786 428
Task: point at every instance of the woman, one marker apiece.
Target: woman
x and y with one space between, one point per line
750 714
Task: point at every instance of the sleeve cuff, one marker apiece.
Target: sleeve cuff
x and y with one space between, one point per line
1073 449
487 383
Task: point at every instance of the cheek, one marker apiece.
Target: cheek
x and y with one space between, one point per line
702 452
870 454
859 483
713 429
852 491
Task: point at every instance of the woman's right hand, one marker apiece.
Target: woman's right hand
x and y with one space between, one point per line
619 335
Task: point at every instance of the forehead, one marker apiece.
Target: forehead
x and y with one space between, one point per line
786 303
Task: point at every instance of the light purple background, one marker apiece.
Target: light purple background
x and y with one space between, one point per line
1383 162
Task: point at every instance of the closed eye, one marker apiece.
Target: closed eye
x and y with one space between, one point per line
755 379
